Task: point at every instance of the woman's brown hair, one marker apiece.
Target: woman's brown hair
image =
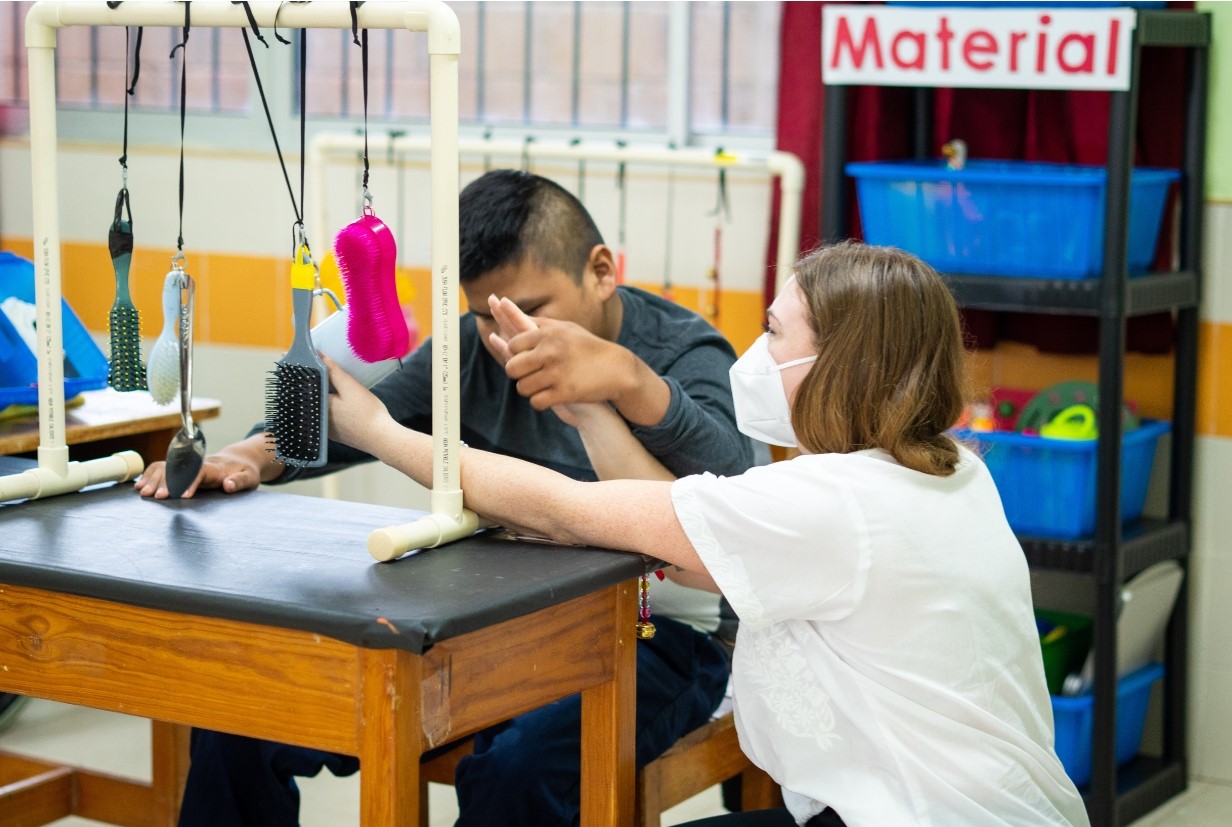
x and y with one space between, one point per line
889 372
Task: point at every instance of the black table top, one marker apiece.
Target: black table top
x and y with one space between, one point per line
286 560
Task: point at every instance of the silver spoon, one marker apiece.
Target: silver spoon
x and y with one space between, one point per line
186 452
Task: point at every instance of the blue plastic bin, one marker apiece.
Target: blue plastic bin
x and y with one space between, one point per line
1007 218
1074 720
1047 486
85 366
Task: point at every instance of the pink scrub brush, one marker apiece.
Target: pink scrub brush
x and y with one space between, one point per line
366 254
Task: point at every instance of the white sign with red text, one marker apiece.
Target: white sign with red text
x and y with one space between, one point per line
1037 48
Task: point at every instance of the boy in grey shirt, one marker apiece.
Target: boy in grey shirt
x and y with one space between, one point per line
658 365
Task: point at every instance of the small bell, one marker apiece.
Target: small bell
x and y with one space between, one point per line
645 629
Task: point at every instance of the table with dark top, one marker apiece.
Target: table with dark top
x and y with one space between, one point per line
262 614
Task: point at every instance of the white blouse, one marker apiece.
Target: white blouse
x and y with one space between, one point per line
887 663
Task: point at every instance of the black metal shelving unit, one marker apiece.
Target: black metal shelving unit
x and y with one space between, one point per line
1115 795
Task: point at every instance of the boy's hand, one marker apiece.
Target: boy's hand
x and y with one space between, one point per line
561 363
231 471
512 322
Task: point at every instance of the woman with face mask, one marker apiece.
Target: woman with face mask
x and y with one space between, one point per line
887 669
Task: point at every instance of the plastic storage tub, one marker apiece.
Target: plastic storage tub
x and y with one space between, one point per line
1007 218
1047 486
85 366
1074 720
1065 652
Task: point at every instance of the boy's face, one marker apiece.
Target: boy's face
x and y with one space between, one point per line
543 291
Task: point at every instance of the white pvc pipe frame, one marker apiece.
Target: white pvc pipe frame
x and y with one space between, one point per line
783 165
55 474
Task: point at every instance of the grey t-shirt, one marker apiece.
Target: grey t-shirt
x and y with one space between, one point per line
698 433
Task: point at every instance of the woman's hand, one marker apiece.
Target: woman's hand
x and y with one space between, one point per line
587 416
356 416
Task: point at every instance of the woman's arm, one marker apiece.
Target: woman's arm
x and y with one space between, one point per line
628 515
614 452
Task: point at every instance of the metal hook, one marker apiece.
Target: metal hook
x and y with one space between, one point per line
326 292
178 263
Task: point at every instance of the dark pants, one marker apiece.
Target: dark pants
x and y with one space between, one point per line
523 772
768 818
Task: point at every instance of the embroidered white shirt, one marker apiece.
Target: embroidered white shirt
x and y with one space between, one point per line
887 663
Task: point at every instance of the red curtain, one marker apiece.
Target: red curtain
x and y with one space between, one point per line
1068 127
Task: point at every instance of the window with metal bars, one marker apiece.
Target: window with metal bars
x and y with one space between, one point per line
683 70
90 67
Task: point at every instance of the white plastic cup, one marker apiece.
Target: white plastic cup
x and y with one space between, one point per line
330 337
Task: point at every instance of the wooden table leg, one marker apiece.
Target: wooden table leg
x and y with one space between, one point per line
390 737
608 715
170 770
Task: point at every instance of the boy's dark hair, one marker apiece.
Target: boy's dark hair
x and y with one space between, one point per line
508 215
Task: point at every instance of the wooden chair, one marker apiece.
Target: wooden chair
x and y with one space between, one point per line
707 756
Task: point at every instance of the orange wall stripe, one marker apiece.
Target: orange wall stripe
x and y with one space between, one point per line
245 301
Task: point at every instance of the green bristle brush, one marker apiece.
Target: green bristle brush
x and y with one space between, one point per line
297 391
126 372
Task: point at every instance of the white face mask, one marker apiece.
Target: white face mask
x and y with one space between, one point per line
761 400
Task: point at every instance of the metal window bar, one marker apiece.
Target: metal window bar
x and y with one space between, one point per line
572 110
94 66
528 28
389 73
16 62
625 28
481 41
575 88
725 70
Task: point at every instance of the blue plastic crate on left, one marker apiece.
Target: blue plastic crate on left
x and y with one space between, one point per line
85 366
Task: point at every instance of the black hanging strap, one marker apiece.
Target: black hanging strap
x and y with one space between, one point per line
277 36
179 242
132 89
303 120
360 38
187 26
355 21
129 89
120 239
270 120
252 21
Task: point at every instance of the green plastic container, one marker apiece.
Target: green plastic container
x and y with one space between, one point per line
1065 640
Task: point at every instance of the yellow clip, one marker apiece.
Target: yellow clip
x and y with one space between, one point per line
303 271
724 158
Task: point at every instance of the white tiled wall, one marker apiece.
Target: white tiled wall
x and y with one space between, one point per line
1210 688
1217 284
